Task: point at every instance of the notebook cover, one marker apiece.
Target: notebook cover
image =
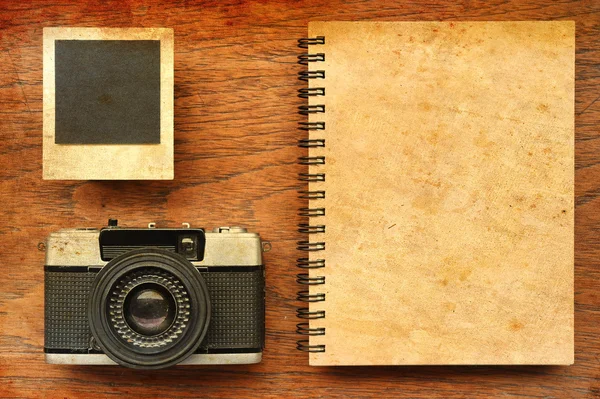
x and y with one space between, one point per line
449 202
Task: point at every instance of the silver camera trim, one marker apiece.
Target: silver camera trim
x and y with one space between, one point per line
98 359
225 246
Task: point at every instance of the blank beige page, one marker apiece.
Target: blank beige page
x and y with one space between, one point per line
449 212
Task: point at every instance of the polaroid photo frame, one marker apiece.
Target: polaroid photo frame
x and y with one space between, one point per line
108 104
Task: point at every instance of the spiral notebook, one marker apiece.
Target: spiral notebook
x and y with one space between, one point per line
440 215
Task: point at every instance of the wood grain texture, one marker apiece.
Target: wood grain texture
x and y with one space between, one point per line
235 153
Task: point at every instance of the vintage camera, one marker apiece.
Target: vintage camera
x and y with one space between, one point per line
154 297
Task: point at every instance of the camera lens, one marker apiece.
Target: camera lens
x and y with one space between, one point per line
139 312
149 309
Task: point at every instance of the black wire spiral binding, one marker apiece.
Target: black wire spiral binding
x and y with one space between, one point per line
305 42
305 263
311 125
311 160
305 296
310 246
311 109
311 195
304 278
307 143
311 176
306 75
305 313
304 59
304 329
311 212
308 229
311 92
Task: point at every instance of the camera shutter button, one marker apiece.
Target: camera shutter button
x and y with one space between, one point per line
232 229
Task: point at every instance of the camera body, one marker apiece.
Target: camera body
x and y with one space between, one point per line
154 297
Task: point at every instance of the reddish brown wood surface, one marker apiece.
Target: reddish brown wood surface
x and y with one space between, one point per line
235 163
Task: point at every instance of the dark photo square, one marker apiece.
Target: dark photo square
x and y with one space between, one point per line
107 92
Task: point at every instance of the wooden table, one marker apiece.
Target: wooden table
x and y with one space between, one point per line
235 164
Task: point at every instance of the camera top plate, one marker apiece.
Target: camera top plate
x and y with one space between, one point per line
188 242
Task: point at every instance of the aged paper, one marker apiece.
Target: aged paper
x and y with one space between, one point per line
449 192
103 161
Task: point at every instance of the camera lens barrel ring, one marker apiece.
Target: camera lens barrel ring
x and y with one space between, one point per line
141 332
189 334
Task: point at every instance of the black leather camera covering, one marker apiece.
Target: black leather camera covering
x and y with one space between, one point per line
237 310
